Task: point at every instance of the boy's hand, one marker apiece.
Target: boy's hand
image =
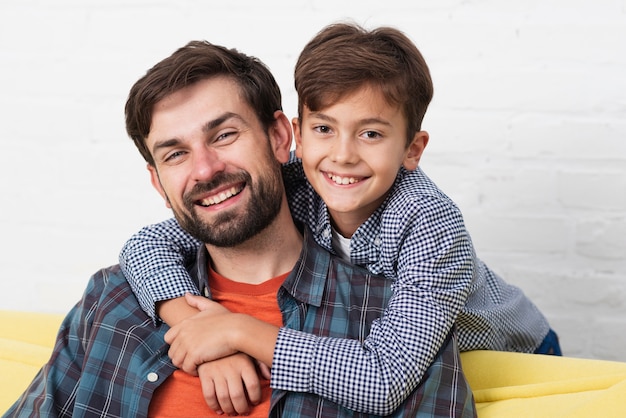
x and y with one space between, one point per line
199 338
231 384
204 304
215 333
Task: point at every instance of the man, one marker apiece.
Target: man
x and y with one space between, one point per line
208 121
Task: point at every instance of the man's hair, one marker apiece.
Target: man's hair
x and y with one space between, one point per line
199 60
344 57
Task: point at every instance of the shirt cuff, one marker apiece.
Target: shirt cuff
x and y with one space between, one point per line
293 359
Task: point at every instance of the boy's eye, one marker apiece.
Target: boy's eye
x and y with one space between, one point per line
372 135
322 129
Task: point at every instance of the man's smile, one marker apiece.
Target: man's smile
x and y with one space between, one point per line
222 196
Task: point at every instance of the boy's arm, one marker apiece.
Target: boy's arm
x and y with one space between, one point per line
153 261
378 373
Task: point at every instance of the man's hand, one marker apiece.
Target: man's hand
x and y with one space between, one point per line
231 384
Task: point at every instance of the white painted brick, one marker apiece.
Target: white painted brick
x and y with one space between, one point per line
527 129
603 190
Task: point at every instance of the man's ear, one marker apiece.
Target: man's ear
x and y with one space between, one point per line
281 136
297 135
415 150
156 183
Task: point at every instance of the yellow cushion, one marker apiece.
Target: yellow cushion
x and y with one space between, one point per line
504 384
527 385
26 341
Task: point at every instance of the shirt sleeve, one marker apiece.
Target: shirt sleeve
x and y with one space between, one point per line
433 270
153 261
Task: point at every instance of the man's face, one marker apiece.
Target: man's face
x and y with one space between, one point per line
214 164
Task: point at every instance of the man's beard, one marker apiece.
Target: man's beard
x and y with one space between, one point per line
231 228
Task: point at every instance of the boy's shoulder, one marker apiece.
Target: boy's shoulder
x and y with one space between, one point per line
416 188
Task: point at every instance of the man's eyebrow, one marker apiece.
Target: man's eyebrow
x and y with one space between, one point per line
210 125
168 143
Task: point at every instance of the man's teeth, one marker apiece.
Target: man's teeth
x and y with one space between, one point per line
342 180
214 200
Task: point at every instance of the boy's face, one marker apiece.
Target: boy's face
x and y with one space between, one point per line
352 151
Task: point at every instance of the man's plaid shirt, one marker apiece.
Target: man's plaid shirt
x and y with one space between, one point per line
109 356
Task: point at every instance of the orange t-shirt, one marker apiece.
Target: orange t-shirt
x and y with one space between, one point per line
181 394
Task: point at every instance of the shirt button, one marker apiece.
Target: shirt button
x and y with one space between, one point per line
153 377
377 241
326 233
206 292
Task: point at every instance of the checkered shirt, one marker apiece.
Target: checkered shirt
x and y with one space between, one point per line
417 238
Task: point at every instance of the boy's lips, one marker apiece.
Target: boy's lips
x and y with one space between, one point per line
343 180
221 196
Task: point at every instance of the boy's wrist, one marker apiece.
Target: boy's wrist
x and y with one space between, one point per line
253 337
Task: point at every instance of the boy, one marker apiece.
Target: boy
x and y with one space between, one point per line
362 98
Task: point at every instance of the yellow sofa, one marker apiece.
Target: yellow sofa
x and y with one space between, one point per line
505 385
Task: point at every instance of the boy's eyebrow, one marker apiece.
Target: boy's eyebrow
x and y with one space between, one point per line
366 121
210 125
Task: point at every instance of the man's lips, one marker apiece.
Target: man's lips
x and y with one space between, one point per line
343 180
221 196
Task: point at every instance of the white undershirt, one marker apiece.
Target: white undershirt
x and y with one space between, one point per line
341 245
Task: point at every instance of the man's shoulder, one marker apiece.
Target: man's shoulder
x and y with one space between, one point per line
109 291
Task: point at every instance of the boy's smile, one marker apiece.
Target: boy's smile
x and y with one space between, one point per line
351 153
342 180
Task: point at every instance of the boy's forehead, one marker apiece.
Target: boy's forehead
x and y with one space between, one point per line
365 100
366 90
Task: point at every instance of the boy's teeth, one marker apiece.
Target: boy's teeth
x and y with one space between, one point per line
214 200
342 180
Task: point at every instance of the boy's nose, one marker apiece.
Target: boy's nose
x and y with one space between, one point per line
343 150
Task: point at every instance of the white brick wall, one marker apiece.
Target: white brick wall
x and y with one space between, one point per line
527 135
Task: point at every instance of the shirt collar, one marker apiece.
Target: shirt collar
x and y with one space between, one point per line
305 283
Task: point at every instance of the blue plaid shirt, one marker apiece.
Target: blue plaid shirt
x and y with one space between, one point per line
110 356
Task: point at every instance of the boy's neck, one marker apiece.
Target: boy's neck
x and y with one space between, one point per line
345 224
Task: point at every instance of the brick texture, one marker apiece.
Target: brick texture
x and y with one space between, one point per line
527 130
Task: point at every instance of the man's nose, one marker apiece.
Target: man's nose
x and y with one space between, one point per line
206 163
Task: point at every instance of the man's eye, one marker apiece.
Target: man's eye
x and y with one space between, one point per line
226 136
173 155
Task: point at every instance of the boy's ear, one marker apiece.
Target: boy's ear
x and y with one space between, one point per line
281 136
156 183
415 150
295 123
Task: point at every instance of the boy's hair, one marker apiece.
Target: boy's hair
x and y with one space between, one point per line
199 60
344 57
